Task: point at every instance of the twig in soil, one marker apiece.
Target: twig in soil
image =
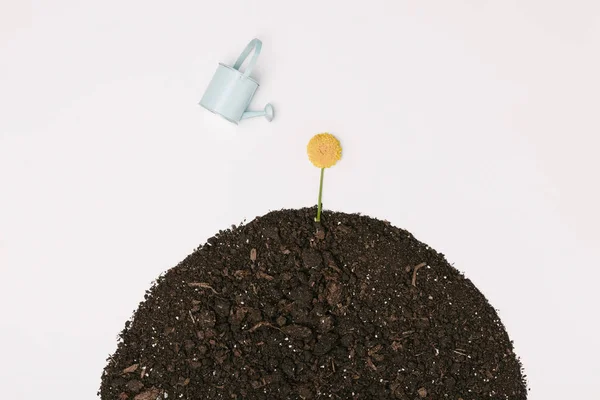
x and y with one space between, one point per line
202 285
130 369
458 352
261 324
263 275
416 268
253 288
370 364
192 317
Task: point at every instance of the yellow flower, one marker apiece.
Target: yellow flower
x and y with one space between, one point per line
324 150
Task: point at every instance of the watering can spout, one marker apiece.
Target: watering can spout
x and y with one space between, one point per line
268 113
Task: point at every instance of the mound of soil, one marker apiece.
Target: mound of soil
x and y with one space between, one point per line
287 308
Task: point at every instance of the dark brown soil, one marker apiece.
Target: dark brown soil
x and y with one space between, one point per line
287 308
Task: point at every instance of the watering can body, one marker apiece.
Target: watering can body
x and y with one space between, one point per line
230 91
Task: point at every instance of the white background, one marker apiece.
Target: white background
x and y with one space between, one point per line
473 124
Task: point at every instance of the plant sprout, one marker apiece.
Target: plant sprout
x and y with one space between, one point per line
324 150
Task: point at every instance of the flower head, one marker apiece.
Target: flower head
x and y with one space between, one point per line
324 150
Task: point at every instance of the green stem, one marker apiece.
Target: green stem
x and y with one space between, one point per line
319 206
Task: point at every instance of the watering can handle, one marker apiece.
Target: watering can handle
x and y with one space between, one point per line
255 45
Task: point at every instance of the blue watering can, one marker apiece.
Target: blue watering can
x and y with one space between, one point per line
230 91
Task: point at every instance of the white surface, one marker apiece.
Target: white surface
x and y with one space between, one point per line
473 124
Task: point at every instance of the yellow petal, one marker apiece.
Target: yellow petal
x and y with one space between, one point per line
324 150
